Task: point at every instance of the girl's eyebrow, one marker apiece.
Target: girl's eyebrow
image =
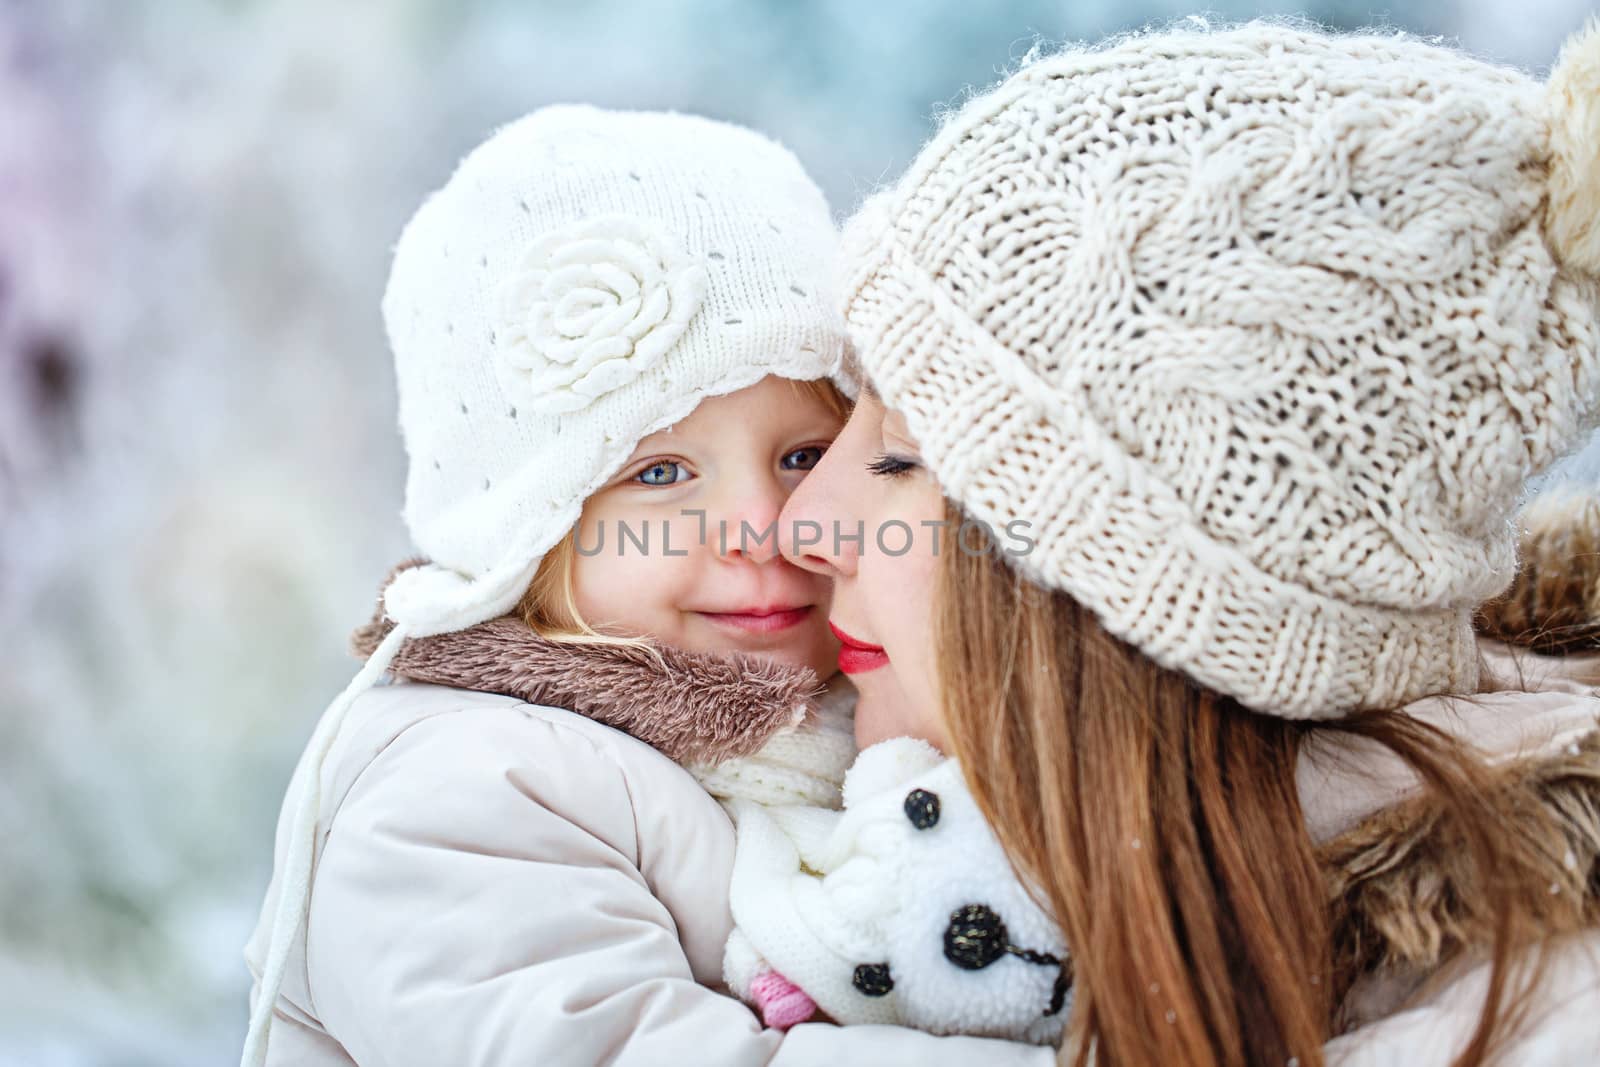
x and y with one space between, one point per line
663 440
645 449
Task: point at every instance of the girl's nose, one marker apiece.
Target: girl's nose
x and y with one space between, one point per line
747 528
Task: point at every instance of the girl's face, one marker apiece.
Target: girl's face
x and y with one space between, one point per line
873 483
681 545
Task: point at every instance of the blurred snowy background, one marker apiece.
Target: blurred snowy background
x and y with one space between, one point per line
200 479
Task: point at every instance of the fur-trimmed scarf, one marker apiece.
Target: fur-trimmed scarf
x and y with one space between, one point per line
1553 604
694 708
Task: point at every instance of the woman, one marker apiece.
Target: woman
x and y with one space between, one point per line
1247 342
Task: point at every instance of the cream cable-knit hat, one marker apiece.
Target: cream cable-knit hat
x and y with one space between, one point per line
1262 330
584 279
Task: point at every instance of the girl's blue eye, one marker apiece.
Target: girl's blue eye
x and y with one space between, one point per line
803 459
666 472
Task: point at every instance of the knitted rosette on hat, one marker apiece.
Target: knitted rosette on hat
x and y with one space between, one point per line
1261 330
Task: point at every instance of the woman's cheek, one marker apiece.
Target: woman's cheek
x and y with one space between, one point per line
902 589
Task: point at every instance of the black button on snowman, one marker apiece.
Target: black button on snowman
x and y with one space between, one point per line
975 936
922 808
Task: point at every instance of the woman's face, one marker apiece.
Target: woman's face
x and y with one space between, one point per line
870 516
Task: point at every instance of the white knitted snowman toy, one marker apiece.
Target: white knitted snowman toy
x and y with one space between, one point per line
901 909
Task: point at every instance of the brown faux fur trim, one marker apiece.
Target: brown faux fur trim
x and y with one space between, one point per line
1553 605
1406 895
691 707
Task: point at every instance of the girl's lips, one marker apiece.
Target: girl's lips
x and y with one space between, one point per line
858 657
760 620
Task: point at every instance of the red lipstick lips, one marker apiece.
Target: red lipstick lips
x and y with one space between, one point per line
858 657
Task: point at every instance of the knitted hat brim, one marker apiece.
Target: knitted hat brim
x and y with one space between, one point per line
1113 537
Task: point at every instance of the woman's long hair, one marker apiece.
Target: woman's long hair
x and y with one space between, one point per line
1160 824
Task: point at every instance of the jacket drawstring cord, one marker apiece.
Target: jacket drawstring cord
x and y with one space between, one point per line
294 895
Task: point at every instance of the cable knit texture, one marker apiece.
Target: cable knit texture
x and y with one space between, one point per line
803 766
1259 329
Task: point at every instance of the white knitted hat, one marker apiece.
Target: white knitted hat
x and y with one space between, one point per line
1262 330
584 279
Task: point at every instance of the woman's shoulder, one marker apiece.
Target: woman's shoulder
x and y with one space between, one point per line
1399 875
1427 1021
1344 779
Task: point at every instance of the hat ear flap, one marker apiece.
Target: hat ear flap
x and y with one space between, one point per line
1572 219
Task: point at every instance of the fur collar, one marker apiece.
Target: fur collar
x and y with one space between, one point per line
1553 603
1406 897
691 707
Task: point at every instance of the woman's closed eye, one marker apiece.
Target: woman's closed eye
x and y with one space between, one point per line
887 466
663 472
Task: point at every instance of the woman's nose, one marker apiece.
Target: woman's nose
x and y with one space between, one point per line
814 528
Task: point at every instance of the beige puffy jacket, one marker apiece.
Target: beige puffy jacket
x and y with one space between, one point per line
503 883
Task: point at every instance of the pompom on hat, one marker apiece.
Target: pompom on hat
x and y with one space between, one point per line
584 279
1262 330
1572 103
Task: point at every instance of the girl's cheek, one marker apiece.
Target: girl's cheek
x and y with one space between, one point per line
685 533
591 580
623 589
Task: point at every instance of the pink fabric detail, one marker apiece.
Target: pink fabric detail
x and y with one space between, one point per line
783 1004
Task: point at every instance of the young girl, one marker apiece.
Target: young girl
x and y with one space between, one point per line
591 323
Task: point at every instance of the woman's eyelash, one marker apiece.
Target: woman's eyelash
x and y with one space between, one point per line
887 466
